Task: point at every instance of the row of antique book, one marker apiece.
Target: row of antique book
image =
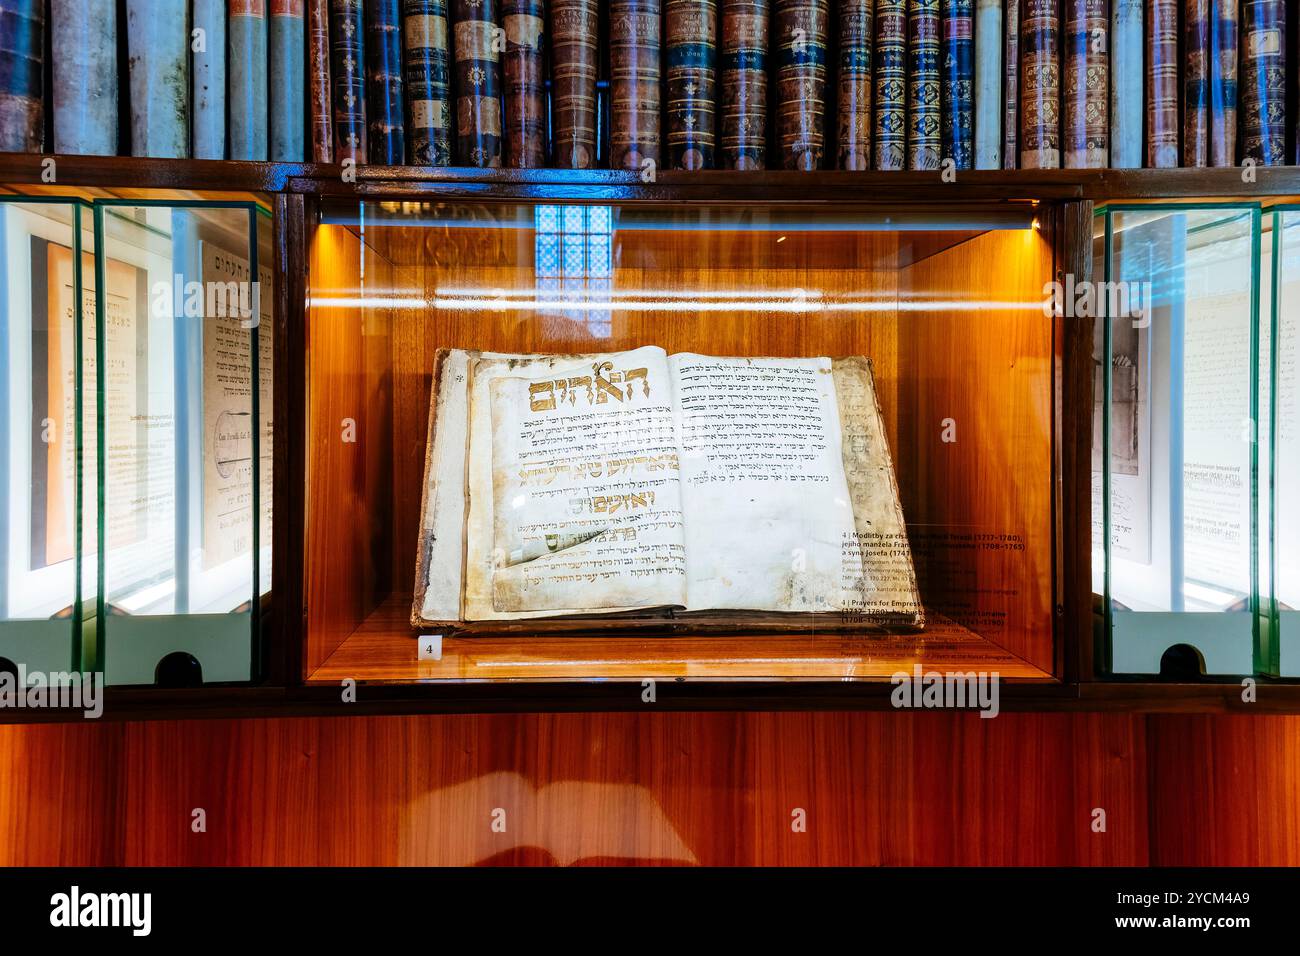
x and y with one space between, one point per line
908 84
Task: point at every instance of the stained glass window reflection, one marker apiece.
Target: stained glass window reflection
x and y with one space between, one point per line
573 252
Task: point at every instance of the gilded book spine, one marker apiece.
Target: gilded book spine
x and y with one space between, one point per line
573 82
1223 82
958 121
347 75
208 103
478 82
1040 94
1162 84
525 93
800 31
855 84
22 76
426 71
158 45
247 79
1087 125
988 84
85 75
1263 99
691 37
891 84
744 83
1196 82
634 74
386 135
1011 86
1126 84
318 82
923 140
285 36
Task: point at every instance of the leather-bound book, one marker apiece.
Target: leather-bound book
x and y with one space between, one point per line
1162 84
855 90
158 73
634 75
22 76
691 39
477 82
1126 84
891 84
426 76
1196 82
1223 82
246 79
1087 87
1263 95
208 76
318 81
285 38
347 75
1040 85
1011 86
799 32
743 123
988 84
923 91
957 119
573 82
85 76
525 93
386 135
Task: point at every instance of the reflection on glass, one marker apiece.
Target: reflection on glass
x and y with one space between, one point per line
1280 431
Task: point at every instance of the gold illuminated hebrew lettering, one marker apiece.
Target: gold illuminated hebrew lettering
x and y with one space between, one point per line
546 401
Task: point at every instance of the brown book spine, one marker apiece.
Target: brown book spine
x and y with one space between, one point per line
318 64
1011 85
1087 84
800 31
525 99
691 36
634 73
891 84
347 63
1040 85
855 89
743 66
1263 98
22 76
1162 83
923 95
1196 83
1223 82
574 25
477 48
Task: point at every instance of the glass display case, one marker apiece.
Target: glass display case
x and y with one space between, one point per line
585 441
1279 373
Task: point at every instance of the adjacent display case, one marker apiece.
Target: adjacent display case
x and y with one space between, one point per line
1279 373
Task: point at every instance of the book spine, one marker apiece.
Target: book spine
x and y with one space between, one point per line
1223 82
318 56
855 85
286 32
85 75
1040 94
246 77
347 75
891 84
1011 86
988 84
800 32
691 38
1162 84
1126 84
386 134
1087 127
22 76
478 82
525 91
573 82
634 83
923 140
1263 99
744 83
956 130
159 77
426 60
208 96
1196 83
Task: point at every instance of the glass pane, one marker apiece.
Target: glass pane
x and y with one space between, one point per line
46 327
1280 388
186 299
1181 435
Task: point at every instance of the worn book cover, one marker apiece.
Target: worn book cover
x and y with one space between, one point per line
1040 85
742 126
1263 96
574 26
634 76
923 92
854 84
22 78
85 74
1087 84
347 75
1162 84
386 136
286 46
426 79
318 81
988 84
524 22
891 84
477 82
1223 82
158 76
691 40
957 126
1196 82
799 33
246 79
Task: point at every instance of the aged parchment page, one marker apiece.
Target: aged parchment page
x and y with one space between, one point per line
445 494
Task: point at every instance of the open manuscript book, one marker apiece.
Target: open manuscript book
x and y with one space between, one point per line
641 485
